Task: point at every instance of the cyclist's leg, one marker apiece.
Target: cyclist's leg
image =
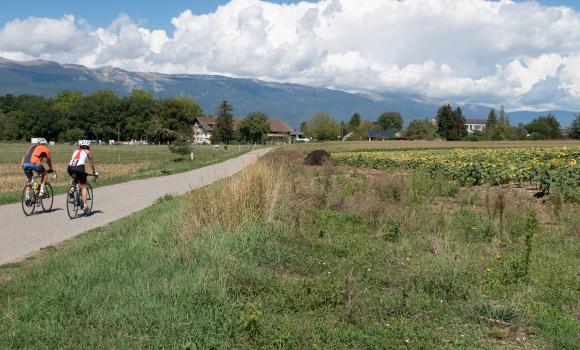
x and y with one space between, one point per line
43 178
28 172
82 178
84 187
73 176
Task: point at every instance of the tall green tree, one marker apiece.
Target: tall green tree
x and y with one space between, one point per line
255 127
323 127
62 104
450 124
99 115
223 131
140 107
503 117
354 121
421 130
9 130
491 119
392 121
459 112
175 120
575 128
548 126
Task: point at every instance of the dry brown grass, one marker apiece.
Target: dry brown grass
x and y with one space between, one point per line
12 177
249 197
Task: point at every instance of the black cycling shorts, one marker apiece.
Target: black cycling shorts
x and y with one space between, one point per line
78 173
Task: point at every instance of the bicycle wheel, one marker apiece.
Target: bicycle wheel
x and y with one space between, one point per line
72 200
48 199
28 200
89 198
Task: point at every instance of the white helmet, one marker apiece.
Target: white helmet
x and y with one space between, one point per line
41 141
84 143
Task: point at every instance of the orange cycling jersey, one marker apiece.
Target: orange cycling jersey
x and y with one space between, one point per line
35 154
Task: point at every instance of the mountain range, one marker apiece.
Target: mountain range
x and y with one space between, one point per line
290 102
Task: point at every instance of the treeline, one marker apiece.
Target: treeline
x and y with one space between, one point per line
71 115
449 124
322 127
103 115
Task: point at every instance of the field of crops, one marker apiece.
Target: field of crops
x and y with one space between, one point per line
546 168
118 163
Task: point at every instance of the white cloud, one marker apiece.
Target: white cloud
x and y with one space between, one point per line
470 50
64 38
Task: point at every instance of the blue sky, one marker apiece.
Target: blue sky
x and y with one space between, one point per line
518 54
153 14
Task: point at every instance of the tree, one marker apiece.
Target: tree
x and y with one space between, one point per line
71 135
255 127
575 128
450 123
323 127
421 130
547 126
101 115
8 128
224 128
459 112
63 104
491 120
364 128
175 120
139 108
503 118
354 121
392 121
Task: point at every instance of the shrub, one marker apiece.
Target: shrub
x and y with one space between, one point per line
181 147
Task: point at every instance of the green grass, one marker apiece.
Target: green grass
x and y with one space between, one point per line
308 258
155 161
117 154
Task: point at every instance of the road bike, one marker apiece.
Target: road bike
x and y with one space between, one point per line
31 198
74 199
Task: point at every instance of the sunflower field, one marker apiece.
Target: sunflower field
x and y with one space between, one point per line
546 168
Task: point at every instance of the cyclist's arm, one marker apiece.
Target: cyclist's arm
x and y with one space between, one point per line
48 158
92 162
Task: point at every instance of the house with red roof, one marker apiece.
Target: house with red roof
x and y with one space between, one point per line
203 128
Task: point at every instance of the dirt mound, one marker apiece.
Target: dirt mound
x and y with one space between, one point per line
318 157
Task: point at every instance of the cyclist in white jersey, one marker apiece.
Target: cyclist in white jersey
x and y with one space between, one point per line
76 167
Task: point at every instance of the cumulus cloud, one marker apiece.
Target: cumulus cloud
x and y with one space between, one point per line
469 50
64 38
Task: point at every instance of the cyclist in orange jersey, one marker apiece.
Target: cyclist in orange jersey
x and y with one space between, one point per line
32 161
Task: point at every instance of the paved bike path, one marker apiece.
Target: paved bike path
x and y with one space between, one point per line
22 236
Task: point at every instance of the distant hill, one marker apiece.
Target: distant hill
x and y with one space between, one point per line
290 102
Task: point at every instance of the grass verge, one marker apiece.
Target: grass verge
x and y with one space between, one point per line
287 256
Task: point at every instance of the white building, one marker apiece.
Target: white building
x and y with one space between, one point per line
475 125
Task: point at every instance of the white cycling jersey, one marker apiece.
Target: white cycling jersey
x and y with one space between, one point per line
79 158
